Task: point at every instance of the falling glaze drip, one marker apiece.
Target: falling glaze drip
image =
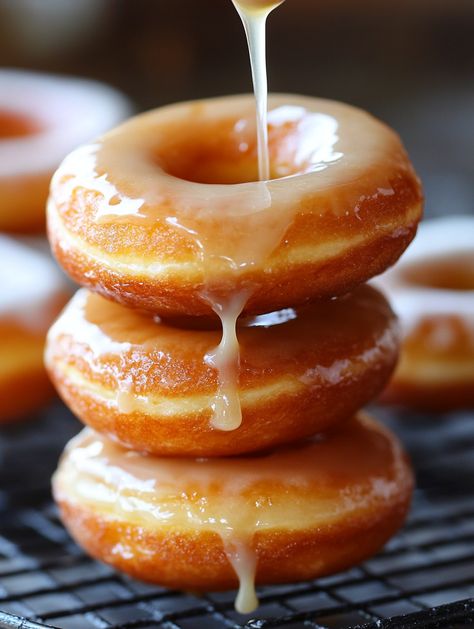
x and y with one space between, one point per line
226 408
254 18
126 401
243 560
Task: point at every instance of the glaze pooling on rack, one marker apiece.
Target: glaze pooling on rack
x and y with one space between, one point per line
254 14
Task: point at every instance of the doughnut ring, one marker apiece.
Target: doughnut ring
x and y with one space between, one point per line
32 294
297 513
432 291
146 383
164 213
42 118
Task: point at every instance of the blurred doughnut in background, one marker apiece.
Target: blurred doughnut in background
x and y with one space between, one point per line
32 293
432 291
42 118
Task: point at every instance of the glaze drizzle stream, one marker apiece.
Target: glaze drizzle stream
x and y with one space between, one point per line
254 16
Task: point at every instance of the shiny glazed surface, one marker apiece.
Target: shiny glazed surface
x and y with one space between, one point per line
353 485
148 383
164 212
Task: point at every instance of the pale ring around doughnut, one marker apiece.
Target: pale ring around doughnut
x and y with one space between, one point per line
42 118
432 291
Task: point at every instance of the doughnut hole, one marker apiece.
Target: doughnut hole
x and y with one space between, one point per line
449 272
14 125
224 151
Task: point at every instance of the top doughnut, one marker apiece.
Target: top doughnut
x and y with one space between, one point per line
165 213
42 118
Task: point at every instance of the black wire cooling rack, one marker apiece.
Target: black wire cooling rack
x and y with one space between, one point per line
423 579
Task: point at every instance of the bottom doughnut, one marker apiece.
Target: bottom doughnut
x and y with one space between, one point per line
290 514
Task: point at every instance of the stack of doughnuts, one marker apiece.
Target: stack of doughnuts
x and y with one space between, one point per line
223 342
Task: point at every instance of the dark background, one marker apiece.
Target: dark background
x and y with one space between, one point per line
410 62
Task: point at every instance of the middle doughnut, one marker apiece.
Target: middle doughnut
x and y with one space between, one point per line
147 383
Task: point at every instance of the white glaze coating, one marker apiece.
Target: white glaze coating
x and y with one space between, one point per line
72 318
361 467
333 145
412 302
243 560
69 111
232 486
254 18
225 358
29 281
339 142
134 355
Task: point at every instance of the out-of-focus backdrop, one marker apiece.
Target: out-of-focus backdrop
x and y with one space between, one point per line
411 62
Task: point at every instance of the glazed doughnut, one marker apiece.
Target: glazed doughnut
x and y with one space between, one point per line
31 295
164 213
432 291
292 514
42 118
147 384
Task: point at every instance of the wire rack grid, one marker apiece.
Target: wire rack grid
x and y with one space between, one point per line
424 578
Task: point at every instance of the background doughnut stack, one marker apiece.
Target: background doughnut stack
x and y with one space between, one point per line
42 117
124 221
432 292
